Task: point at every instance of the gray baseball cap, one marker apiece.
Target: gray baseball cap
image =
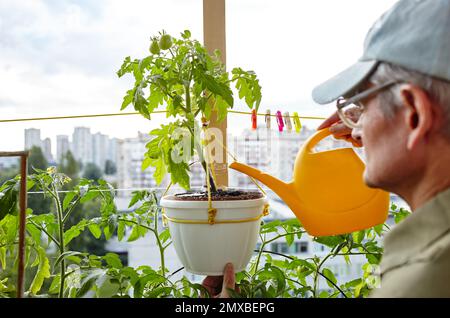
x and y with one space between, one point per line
414 34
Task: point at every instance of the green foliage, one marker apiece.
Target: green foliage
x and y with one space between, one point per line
76 273
92 172
42 273
180 74
399 213
36 160
69 166
110 167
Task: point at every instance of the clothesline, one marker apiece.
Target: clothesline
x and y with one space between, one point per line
132 113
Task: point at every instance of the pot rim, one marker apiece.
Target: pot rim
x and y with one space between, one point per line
192 204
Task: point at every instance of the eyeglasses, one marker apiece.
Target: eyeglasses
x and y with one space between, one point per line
350 110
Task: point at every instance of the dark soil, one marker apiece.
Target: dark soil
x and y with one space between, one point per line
219 195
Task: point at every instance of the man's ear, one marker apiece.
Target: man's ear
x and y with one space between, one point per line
418 115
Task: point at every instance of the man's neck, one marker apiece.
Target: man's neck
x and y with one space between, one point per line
435 179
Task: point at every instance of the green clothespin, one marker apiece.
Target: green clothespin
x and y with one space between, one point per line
297 123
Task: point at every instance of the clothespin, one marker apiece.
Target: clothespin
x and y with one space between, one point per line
254 121
280 121
205 122
287 121
297 123
267 118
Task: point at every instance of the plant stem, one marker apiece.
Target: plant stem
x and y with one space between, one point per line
160 246
70 210
332 283
158 241
202 160
61 238
318 272
263 244
45 231
275 253
188 98
197 146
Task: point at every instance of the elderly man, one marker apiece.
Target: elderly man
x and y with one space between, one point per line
395 101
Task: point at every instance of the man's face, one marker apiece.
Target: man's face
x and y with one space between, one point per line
384 140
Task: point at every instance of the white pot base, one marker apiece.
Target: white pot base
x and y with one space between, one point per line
211 273
205 249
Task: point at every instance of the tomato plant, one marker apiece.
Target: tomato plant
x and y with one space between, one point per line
182 75
55 271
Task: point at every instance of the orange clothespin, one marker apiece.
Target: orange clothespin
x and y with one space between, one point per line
297 123
267 118
287 121
254 121
280 121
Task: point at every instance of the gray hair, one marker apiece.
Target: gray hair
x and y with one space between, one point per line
438 90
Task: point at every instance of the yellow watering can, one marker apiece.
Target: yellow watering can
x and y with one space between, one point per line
327 193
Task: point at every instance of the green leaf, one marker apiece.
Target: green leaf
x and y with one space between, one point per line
67 199
66 254
330 241
164 235
137 196
42 273
95 230
106 288
152 146
179 173
215 87
9 198
270 227
358 237
12 227
301 262
155 99
290 239
90 195
137 72
127 99
54 286
160 171
140 284
74 231
136 233
3 257
120 230
186 34
373 258
222 108
400 215
34 232
353 283
113 260
329 274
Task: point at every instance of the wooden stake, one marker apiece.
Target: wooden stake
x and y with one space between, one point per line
214 38
22 216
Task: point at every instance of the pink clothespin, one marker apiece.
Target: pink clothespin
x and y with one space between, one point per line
287 121
267 118
280 121
254 121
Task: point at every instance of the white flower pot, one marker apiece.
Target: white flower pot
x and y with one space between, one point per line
204 249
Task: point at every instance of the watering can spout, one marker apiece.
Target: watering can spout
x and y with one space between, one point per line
282 189
327 192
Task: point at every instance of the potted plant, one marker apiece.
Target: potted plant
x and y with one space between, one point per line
211 226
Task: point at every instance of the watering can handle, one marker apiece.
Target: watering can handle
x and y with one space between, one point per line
316 138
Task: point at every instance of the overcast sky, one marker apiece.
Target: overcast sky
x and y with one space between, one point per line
59 57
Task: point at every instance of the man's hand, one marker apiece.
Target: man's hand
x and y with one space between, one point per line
339 130
218 286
